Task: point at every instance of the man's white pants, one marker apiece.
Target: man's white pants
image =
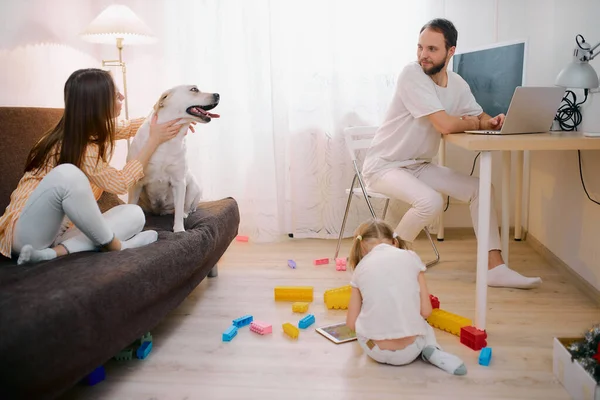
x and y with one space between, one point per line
420 186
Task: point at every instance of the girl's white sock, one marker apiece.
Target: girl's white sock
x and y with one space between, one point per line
30 255
502 276
141 239
446 361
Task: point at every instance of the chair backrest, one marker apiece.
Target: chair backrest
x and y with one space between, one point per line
358 138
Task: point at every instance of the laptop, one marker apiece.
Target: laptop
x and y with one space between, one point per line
532 110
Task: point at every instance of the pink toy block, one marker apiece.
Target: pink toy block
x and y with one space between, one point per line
241 238
262 328
321 261
340 267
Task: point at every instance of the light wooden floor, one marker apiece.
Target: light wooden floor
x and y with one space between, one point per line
189 360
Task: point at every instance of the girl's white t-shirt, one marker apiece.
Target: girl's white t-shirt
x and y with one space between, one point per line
387 278
406 136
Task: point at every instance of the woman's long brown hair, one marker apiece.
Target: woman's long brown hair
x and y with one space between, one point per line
88 119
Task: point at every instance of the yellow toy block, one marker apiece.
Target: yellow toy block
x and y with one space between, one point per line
300 307
338 298
294 293
291 330
447 321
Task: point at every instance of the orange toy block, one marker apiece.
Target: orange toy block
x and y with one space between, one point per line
447 321
338 298
300 307
294 293
241 238
291 330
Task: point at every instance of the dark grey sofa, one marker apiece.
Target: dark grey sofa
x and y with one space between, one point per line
61 319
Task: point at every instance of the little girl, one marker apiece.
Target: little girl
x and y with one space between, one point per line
390 301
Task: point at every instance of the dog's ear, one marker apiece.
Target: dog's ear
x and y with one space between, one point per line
161 101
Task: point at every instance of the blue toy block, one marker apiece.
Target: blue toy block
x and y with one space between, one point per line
230 333
306 321
143 351
97 375
243 321
485 356
292 264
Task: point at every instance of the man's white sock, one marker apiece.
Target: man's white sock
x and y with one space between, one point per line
502 276
141 239
30 255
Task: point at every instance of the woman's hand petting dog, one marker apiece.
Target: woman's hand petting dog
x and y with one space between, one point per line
164 132
192 127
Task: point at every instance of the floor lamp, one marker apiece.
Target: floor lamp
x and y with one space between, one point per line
118 24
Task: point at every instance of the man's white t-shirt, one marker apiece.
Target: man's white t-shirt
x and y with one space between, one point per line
407 136
387 278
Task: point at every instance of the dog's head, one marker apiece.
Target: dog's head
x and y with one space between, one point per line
187 102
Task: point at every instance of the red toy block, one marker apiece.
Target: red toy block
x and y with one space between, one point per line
321 261
435 302
241 238
473 338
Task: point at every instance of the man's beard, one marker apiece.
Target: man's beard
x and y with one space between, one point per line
435 68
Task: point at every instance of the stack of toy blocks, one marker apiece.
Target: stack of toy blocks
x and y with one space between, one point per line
338 298
473 338
262 328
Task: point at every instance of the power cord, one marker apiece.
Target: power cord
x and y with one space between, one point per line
471 174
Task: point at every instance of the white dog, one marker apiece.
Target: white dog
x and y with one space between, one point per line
168 185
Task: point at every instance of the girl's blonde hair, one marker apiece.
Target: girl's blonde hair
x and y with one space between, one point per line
373 229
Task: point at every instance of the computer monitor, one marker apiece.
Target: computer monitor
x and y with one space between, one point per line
493 73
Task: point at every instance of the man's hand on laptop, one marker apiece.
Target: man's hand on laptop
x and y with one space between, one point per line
494 123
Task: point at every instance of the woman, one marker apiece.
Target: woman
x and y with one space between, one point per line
66 173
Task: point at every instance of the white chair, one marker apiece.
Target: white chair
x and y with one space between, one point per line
359 139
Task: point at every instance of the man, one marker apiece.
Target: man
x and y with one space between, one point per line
430 101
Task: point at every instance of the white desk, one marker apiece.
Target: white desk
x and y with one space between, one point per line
506 143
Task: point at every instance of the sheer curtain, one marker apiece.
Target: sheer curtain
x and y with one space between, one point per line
292 75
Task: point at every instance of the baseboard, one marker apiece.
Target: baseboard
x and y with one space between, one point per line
574 277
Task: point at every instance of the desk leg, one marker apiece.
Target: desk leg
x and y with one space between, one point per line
442 162
505 203
518 195
483 237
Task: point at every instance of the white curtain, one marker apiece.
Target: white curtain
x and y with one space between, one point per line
292 75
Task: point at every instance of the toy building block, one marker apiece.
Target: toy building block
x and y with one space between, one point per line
292 264
97 375
291 330
340 264
338 298
321 261
261 328
435 302
294 293
306 321
447 321
124 355
230 333
473 338
144 350
242 321
241 238
300 307
485 356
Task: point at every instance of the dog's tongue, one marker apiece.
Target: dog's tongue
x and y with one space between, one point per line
213 115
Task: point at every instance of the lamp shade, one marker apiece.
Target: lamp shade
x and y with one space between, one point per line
578 75
118 21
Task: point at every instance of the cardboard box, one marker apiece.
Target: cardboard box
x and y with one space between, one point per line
576 380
